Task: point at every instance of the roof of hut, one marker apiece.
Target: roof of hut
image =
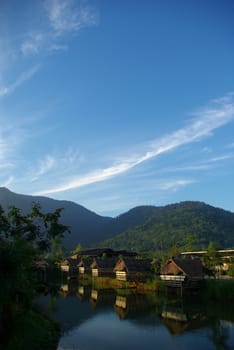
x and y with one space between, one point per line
190 267
133 265
96 252
125 253
85 262
70 262
103 263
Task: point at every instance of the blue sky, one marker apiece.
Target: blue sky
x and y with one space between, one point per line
115 104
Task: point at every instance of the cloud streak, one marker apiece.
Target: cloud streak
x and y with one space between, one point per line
27 75
45 165
203 124
174 184
61 17
69 15
8 182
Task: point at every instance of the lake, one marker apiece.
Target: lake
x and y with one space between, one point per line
93 319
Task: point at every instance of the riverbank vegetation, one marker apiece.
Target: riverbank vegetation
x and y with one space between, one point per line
31 330
219 290
23 240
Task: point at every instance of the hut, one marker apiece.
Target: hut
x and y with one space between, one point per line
84 266
101 267
69 265
130 269
183 273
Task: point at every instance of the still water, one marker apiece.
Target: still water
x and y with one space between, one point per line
94 319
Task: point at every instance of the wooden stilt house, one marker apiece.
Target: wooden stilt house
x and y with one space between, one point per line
183 273
69 265
103 267
130 269
84 266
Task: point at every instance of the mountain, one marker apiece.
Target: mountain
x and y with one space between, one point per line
87 228
143 228
85 225
186 225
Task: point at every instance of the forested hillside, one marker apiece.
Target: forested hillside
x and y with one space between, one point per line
186 225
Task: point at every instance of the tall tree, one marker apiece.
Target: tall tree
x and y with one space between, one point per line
23 238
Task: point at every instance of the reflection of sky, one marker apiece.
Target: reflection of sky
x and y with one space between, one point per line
106 331
92 328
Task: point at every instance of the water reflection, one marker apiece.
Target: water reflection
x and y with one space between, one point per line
179 317
93 319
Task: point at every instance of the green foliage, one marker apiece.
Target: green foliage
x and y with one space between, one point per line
212 260
23 238
231 271
220 290
184 226
33 331
77 249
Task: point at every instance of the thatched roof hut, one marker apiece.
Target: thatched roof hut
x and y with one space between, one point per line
103 267
130 269
84 265
182 272
69 265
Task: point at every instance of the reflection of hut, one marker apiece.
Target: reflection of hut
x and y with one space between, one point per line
84 266
175 326
130 269
174 314
64 288
186 273
179 318
102 297
101 267
121 301
83 292
131 305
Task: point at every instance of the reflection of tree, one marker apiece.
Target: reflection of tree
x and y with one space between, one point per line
219 336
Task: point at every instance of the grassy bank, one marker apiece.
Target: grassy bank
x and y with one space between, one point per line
32 331
153 285
219 290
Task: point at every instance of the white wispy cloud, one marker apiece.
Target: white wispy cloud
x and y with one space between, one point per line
8 142
230 145
202 125
28 74
57 47
58 164
220 158
8 182
45 165
173 185
33 44
195 167
69 15
60 17
203 165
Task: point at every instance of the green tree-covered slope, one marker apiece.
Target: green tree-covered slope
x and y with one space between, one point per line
186 225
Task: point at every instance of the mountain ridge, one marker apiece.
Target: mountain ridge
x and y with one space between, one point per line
139 224
184 225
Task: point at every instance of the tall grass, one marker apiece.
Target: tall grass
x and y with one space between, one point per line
220 290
